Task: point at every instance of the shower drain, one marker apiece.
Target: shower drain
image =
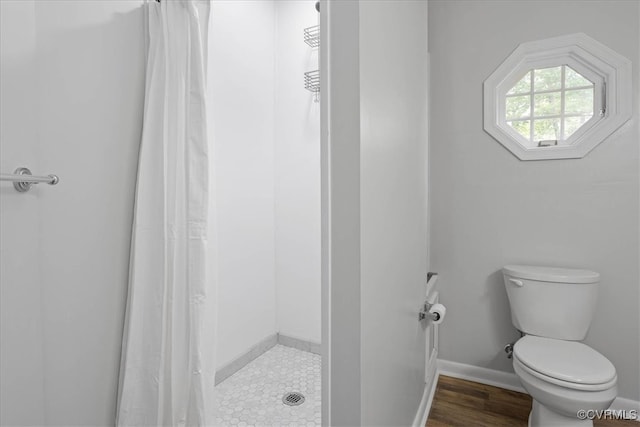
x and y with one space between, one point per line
293 399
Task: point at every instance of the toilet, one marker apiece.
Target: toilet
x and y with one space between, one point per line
553 308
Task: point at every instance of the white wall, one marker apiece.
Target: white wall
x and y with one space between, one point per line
72 99
21 350
340 155
91 76
490 209
241 80
393 203
297 176
265 136
375 171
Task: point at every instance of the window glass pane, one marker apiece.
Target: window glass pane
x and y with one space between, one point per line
518 107
543 119
546 129
573 79
547 104
572 124
547 79
578 101
523 85
522 127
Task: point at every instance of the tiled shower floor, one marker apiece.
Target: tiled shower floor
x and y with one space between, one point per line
253 395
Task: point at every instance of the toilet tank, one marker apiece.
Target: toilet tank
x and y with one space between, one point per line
551 302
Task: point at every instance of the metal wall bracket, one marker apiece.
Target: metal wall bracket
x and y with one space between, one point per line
424 313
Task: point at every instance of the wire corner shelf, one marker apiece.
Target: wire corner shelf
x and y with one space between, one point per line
312 81
312 36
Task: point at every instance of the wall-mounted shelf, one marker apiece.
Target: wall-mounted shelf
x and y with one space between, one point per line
312 82
312 36
312 78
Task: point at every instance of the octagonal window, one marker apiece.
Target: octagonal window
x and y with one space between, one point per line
557 98
547 105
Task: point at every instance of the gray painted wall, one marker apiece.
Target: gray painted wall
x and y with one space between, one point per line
490 209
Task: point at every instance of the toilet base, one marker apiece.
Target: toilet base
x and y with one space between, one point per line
541 416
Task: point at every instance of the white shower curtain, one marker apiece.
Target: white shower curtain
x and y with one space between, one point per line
167 368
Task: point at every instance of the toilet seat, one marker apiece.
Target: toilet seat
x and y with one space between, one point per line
569 364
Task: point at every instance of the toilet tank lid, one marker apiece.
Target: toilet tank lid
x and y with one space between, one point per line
551 274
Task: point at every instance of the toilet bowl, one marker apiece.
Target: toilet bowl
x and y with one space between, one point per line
563 377
553 308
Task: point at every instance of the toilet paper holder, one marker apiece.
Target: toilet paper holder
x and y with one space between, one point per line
424 313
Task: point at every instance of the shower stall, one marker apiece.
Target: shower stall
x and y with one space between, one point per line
265 133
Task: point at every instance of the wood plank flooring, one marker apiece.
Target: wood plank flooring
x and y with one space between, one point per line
468 404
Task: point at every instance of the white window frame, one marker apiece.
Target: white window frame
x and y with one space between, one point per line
610 72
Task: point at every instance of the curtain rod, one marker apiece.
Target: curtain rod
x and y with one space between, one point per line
23 180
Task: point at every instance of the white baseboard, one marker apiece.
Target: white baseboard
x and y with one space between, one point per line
510 381
259 349
627 405
422 415
300 344
429 392
244 359
477 374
